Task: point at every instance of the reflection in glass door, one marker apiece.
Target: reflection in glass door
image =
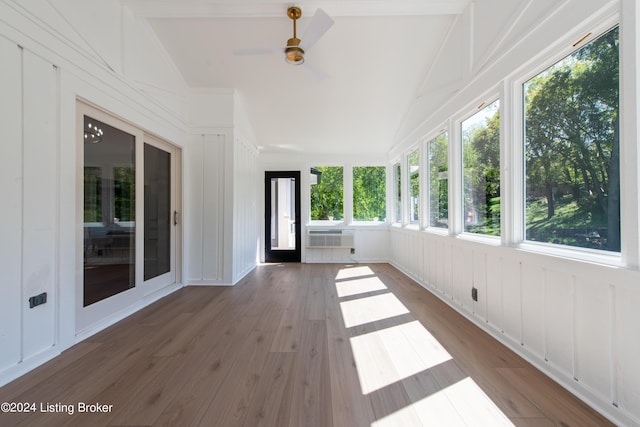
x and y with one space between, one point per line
157 212
160 214
109 211
282 210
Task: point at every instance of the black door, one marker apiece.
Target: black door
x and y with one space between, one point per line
282 216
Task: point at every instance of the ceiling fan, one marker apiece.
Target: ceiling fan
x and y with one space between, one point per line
296 48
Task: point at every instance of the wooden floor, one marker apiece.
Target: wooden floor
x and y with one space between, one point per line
295 345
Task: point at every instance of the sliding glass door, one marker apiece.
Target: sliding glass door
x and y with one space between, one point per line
129 209
160 214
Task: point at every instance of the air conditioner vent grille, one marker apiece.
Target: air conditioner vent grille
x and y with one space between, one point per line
334 238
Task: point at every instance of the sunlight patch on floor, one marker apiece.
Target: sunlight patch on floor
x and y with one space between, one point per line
434 410
359 286
370 309
351 272
390 355
461 404
473 405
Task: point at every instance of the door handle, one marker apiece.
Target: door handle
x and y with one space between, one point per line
175 217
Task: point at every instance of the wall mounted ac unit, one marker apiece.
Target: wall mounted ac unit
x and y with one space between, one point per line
331 238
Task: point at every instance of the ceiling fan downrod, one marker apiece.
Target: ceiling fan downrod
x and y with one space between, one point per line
293 52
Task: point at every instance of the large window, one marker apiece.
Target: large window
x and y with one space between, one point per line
327 194
438 164
572 149
413 175
481 163
397 193
369 193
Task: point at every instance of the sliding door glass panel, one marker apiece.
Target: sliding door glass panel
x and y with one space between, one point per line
157 212
109 211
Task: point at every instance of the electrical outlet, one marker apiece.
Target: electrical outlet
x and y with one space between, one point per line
474 294
38 300
353 251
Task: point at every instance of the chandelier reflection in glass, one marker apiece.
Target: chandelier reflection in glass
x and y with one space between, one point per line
93 134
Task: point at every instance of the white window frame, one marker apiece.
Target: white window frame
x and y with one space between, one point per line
517 180
407 188
456 168
445 128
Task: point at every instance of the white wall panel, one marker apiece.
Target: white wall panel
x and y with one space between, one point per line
558 320
493 297
372 245
593 351
447 269
103 32
464 265
213 207
433 258
245 217
146 62
40 134
479 263
511 298
194 215
627 348
11 226
416 251
437 266
533 285
486 34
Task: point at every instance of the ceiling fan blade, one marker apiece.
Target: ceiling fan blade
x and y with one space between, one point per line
257 51
320 24
316 73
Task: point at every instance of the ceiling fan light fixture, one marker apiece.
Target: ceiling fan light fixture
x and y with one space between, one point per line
294 53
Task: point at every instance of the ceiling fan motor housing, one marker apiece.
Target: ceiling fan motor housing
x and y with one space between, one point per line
294 53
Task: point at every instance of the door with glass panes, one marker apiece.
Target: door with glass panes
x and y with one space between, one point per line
130 215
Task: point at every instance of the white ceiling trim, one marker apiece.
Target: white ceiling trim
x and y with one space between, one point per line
234 9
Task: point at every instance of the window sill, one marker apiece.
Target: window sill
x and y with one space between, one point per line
613 259
368 224
480 238
437 231
324 223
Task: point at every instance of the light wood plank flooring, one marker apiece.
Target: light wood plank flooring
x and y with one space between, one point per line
296 345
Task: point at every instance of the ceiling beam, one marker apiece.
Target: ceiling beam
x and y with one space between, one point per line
247 9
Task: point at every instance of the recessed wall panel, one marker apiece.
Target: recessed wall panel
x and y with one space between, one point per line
511 297
559 320
39 202
493 292
11 178
593 350
213 208
533 284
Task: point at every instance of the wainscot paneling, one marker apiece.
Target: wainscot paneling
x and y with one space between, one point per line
574 320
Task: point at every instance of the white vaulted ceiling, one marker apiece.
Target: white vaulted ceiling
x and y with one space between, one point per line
376 58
